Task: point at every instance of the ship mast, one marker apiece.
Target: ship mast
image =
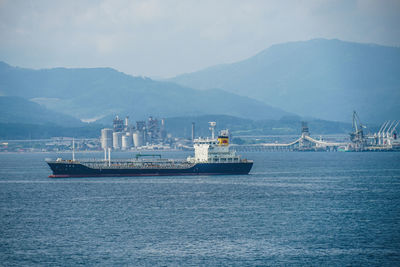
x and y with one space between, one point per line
212 128
109 156
73 149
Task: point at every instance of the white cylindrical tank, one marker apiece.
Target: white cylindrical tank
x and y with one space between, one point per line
106 138
137 139
117 140
127 141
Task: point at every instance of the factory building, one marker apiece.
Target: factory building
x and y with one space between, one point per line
118 124
153 130
124 136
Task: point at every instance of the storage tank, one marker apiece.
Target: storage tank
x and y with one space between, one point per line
106 138
138 139
117 140
127 141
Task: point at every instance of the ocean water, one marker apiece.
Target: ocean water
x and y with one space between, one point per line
334 209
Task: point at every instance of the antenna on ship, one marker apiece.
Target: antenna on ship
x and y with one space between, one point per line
73 149
212 128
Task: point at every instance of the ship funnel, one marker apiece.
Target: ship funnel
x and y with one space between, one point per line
223 138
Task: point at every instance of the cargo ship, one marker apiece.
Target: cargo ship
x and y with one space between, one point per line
212 156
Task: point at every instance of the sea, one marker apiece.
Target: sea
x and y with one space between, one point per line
293 209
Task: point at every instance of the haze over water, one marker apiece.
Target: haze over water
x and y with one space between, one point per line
293 209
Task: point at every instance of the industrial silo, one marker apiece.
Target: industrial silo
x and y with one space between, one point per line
106 138
117 140
127 141
138 138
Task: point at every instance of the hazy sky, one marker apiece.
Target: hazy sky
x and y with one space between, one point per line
161 38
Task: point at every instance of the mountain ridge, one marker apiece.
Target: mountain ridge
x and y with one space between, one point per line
101 92
17 109
309 77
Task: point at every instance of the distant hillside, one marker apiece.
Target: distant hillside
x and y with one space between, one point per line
27 131
321 78
19 110
24 119
103 92
182 126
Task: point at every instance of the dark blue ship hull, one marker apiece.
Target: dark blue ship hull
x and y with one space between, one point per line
74 169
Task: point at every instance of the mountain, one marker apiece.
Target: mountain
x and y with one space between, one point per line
97 93
321 78
17 109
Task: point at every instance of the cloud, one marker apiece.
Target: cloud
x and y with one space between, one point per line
168 37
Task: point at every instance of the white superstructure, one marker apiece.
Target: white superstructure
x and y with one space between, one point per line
213 150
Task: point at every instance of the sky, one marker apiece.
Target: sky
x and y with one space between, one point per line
164 38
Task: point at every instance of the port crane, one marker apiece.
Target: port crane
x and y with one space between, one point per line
379 135
386 139
357 136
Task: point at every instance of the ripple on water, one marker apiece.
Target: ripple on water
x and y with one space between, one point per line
294 209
